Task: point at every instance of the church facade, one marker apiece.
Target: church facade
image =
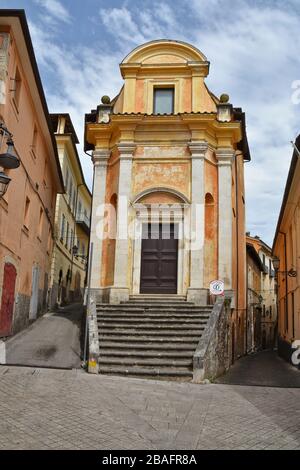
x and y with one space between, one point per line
168 213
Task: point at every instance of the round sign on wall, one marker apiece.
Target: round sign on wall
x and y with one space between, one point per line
216 287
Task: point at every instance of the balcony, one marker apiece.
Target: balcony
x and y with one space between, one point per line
84 222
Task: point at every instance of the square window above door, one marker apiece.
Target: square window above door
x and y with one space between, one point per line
163 100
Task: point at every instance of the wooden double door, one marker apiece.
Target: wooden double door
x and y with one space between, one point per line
159 259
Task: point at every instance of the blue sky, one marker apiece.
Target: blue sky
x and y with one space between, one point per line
253 47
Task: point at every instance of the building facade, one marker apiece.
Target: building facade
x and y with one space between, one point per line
254 299
286 248
168 212
267 293
72 220
28 207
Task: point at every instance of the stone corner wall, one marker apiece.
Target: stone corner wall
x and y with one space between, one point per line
94 351
211 357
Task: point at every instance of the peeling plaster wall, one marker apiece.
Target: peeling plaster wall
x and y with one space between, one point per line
211 224
108 247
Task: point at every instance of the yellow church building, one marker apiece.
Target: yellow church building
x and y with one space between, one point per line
168 210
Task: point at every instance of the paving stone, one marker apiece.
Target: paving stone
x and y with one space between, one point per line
47 409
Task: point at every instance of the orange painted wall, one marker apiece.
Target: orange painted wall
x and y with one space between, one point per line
24 246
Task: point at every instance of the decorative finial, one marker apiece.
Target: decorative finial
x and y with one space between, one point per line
224 98
105 99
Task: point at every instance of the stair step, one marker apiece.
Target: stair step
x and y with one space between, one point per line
153 310
153 317
148 346
152 326
189 322
141 361
147 371
150 353
154 332
158 297
148 338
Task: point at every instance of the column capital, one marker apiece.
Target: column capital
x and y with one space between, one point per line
224 155
126 150
198 149
100 157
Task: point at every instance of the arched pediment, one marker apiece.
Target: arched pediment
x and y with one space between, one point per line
164 51
160 195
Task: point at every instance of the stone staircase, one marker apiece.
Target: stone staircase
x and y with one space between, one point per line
150 336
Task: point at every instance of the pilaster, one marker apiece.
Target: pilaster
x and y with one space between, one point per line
120 290
100 159
225 158
196 292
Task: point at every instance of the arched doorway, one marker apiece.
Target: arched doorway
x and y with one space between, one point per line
8 299
160 254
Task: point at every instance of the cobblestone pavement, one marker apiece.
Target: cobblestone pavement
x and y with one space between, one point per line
51 341
265 368
59 409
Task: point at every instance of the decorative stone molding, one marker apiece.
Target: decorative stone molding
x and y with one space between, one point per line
126 150
198 149
100 157
160 189
224 156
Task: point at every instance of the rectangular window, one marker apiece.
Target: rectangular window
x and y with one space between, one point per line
62 228
163 101
79 209
26 213
34 141
71 240
67 236
49 242
67 180
40 229
74 201
17 88
71 194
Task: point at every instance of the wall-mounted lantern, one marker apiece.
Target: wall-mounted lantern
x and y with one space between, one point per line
276 264
8 160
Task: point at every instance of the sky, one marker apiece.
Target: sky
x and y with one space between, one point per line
253 47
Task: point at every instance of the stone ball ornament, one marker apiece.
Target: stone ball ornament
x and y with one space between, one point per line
224 98
105 99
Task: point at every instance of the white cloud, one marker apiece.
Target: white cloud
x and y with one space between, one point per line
253 48
55 9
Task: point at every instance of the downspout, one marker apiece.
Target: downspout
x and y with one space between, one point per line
237 234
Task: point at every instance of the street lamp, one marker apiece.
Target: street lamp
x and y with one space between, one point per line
4 182
276 264
8 160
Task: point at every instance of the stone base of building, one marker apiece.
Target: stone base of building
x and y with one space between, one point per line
285 349
110 295
197 296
